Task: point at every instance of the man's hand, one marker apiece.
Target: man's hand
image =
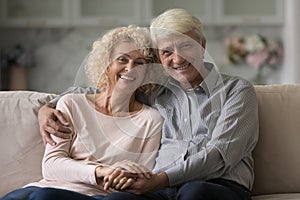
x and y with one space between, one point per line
131 167
156 182
52 121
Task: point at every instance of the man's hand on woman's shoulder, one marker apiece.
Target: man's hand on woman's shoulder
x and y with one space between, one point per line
52 121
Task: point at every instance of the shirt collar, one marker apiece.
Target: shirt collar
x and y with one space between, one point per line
210 82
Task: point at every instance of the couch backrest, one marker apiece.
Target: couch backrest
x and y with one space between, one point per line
21 147
277 154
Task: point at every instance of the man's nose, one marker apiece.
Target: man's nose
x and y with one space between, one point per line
177 58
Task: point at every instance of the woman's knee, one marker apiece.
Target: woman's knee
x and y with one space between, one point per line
43 193
20 194
57 194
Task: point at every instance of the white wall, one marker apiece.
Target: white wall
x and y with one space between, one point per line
291 70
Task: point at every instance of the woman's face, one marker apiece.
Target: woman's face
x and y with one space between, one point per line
128 67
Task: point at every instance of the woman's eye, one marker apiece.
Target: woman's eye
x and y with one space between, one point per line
122 59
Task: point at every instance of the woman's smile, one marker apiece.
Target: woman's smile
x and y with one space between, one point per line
127 77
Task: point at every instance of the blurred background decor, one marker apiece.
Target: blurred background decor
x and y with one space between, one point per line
14 64
60 33
256 51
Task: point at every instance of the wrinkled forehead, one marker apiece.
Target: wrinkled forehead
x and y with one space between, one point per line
172 39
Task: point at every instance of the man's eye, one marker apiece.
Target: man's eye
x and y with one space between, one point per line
166 53
186 45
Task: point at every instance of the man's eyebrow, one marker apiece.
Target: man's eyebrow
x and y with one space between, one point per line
167 47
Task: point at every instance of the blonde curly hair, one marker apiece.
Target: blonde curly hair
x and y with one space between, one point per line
100 57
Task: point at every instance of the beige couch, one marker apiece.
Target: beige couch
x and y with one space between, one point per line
277 155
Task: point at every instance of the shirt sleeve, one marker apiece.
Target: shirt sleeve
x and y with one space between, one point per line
75 90
58 164
233 138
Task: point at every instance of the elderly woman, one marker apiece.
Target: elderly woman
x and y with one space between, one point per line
114 135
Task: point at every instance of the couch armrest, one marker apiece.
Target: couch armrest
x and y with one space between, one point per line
21 147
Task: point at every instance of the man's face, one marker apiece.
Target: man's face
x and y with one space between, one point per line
182 57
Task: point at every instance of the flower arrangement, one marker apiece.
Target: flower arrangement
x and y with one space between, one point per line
254 50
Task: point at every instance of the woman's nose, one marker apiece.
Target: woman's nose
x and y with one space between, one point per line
129 66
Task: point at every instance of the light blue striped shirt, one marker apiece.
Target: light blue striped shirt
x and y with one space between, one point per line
209 132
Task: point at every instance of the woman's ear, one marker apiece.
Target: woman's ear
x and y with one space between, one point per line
203 44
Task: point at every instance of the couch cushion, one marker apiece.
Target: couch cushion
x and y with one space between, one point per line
295 196
277 154
21 145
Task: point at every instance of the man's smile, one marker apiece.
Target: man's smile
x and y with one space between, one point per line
181 67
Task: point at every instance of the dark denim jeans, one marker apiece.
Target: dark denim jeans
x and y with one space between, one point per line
217 189
37 193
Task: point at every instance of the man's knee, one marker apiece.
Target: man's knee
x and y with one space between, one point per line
119 195
195 190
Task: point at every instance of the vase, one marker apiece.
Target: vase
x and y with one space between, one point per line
17 78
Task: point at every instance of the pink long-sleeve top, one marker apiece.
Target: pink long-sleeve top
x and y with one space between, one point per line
98 139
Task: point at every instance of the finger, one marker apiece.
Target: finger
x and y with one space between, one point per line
110 178
47 138
129 166
120 178
128 183
121 183
111 183
57 125
61 118
142 171
57 133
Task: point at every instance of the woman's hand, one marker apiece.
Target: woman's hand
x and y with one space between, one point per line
52 121
114 177
119 180
123 174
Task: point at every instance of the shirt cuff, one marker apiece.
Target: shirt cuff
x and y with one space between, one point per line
91 176
175 175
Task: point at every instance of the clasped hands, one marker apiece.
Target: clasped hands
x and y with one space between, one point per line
121 175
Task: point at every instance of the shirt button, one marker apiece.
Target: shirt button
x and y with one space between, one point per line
185 120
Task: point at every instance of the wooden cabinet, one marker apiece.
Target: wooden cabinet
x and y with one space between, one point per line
34 13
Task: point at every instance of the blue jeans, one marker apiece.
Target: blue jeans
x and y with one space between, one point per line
37 193
217 189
